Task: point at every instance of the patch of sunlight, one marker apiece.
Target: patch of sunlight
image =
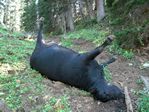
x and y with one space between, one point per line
29 39
19 66
6 68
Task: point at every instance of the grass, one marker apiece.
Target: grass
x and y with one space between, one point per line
14 87
92 34
60 105
19 83
143 100
116 49
143 105
67 42
108 75
3 31
14 83
56 105
6 32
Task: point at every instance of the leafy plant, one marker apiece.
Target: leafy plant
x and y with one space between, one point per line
117 21
88 34
108 75
139 81
143 104
57 105
115 48
66 42
13 98
17 34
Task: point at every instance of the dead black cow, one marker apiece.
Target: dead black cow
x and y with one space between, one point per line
80 70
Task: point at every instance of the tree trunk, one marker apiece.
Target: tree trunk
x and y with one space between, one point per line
2 12
81 8
11 14
17 15
100 10
69 18
74 10
89 4
61 21
64 24
37 12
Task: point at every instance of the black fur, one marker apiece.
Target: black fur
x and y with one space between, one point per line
80 70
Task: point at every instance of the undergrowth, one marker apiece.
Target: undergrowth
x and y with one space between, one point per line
66 42
129 22
108 75
20 85
143 100
143 104
97 35
93 33
61 106
116 49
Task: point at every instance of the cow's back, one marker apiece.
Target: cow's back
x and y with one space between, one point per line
53 60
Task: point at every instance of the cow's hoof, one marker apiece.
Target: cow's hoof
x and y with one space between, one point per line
110 38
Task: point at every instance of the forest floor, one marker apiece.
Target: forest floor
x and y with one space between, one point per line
30 92
25 90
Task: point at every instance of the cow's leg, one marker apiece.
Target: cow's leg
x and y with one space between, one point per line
92 54
113 59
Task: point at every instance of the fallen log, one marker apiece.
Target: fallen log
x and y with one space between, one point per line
128 100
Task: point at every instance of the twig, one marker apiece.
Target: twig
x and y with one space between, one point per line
57 103
128 100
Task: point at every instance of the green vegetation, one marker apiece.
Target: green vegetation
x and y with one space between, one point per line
143 101
115 48
129 22
13 57
96 34
139 81
57 105
18 81
91 34
66 42
143 105
108 75
14 87
6 32
3 31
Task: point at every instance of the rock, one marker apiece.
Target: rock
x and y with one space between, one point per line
146 65
130 64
